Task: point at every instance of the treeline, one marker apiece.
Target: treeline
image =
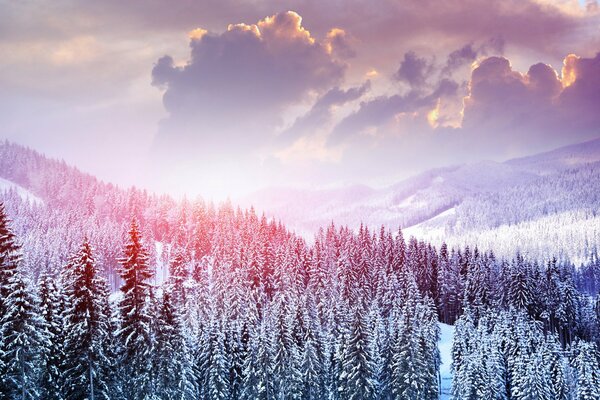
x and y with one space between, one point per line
262 316
507 355
251 311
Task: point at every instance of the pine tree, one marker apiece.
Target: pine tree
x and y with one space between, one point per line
20 325
285 351
520 291
20 341
10 257
178 274
134 336
310 367
87 328
359 363
555 362
258 377
172 367
587 371
53 363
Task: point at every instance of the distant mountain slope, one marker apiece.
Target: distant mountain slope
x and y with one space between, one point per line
7 186
455 203
560 159
547 203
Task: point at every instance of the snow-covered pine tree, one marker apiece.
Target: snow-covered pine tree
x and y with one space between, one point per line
87 329
555 362
310 367
21 340
286 357
20 324
587 371
53 363
258 376
178 274
413 342
134 336
172 367
359 361
10 257
520 291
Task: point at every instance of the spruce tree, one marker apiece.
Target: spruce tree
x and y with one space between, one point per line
172 367
87 329
134 336
587 371
21 339
20 324
10 256
359 361
53 363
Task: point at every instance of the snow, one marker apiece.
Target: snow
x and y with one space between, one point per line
6 185
445 346
162 268
411 201
433 227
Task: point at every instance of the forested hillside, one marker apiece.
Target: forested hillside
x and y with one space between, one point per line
121 294
505 206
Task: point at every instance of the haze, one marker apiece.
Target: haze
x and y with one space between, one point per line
222 98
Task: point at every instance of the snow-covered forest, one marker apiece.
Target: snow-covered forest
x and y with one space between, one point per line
108 293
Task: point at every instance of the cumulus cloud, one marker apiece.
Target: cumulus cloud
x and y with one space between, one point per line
469 53
339 43
539 106
413 70
240 84
505 112
377 112
320 115
237 83
580 97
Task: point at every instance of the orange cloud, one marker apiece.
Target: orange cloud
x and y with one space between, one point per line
569 72
286 26
197 34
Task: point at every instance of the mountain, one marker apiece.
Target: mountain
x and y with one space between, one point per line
544 202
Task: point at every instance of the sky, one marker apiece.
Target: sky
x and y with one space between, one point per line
221 98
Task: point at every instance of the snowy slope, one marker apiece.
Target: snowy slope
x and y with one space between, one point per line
564 157
483 201
6 185
445 346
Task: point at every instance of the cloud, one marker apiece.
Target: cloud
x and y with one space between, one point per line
505 113
377 112
469 53
237 83
339 43
413 70
321 113
579 99
521 110
233 89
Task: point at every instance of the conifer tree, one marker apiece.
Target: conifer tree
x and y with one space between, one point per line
587 371
21 340
20 325
87 329
134 335
53 363
359 364
172 367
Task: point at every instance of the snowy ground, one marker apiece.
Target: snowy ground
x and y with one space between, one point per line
6 185
445 345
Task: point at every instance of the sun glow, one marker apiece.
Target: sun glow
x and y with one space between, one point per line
197 34
569 72
434 115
